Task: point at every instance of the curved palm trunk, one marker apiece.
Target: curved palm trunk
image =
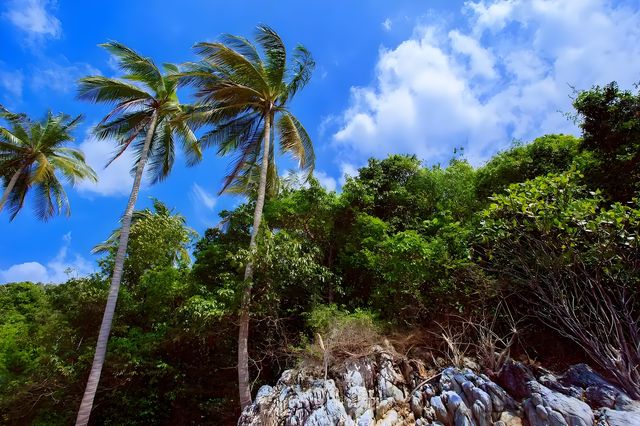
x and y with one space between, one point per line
105 328
243 334
9 187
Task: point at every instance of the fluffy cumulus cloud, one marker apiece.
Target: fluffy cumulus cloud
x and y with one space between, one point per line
347 170
506 74
59 269
328 182
113 180
33 17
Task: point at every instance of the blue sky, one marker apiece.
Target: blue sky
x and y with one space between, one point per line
400 76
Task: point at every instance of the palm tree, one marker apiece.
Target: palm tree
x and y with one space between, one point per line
243 90
32 153
148 117
180 255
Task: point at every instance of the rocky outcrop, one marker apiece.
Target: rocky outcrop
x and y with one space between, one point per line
385 390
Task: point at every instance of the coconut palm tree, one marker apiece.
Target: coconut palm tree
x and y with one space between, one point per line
244 90
146 117
32 155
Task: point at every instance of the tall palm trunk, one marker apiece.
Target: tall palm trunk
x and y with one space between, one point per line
243 334
105 328
9 187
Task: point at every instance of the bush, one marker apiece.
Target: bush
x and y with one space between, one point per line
339 334
575 263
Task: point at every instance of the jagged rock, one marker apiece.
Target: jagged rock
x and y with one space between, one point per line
513 377
386 390
318 405
608 417
599 392
356 394
548 407
389 379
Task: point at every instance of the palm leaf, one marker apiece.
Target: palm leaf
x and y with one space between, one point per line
109 90
295 140
162 153
275 53
139 68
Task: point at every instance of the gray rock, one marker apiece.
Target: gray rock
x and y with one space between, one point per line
608 417
356 394
380 391
547 407
513 377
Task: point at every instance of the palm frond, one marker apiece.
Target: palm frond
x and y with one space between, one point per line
15 202
109 90
50 198
127 138
190 143
248 152
295 140
139 68
9 140
301 72
229 136
161 153
275 53
122 126
232 65
247 179
35 150
243 47
71 163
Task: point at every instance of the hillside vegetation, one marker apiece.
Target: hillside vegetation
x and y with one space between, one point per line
541 243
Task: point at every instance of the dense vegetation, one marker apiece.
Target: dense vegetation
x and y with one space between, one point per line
551 228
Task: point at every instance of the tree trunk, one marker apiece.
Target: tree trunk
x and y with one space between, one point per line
105 328
9 187
243 334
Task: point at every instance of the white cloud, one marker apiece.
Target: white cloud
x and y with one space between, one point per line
114 64
11 81
506 76
329 183
203 197
60 76
347 170
203 203
481 61
113 180
62 267
34 18
386 25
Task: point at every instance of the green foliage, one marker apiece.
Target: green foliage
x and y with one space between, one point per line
400 244
559 211
288 275
610 122
37 359
403 234
547 154
158 239
323 317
